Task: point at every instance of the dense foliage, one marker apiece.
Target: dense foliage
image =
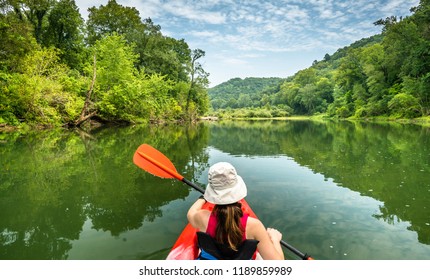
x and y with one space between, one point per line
385 75
57 69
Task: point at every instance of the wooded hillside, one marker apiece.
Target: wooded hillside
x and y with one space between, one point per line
242 93
385 75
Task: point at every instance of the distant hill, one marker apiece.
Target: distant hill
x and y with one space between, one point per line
248 92
258 92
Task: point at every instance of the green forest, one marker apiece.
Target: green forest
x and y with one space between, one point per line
386 75
56 69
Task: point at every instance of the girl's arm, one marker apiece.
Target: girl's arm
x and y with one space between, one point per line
269 245
196 216
276 237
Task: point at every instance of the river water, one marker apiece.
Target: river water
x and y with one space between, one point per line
336 190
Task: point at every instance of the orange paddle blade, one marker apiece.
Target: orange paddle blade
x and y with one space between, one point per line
153 161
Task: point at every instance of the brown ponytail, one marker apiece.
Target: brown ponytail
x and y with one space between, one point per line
229 230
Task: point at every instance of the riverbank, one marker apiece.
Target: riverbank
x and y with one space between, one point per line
424 121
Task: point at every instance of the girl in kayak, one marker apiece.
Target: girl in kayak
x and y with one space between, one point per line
226 232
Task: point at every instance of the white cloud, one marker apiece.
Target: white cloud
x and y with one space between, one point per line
237 34
204 33
392 7
235 61
177 8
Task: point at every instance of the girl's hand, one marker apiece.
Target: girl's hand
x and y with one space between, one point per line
275 235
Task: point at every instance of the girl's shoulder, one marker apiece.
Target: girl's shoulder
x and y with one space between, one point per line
254 222
202 218
254 227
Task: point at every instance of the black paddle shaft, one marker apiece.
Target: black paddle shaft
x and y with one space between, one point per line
194 186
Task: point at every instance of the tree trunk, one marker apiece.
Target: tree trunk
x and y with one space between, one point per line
88 112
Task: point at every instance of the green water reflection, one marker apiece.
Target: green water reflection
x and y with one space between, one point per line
337 190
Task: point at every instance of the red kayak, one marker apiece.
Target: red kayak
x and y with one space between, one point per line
153 161
185 247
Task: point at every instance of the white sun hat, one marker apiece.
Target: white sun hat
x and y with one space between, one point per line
224 185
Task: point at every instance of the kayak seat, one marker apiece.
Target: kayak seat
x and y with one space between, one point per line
212 250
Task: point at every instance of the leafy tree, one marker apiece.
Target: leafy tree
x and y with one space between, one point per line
157 53
407 43
324 88
35 12
198 77
244 101
16 38
398 41
376 80
218 103
350 71
115 72
155 95
290 93
111 18
305 77
419 88
309 99
404 105
164 55
45 92
64 31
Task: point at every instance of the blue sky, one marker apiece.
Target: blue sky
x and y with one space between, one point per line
274 38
